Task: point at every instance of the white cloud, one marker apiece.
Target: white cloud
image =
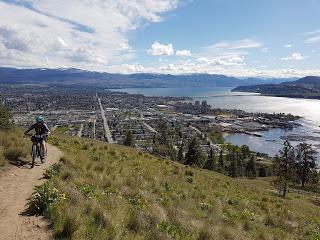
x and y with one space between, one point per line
183 53
311 32
229 53
158 49
202 66
288 46
236 45
265 50
294 57
314 39
74 33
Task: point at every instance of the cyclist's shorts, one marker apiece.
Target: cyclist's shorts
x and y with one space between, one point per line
39 138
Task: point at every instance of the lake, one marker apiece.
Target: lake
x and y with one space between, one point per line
271 141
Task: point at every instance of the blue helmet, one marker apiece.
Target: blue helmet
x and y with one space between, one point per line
39 119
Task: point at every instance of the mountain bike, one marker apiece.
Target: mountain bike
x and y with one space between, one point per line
37 151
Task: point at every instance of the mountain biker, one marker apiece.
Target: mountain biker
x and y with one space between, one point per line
42 130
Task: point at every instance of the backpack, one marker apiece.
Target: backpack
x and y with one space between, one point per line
39 128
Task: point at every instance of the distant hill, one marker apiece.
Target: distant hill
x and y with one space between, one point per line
77 77
307 87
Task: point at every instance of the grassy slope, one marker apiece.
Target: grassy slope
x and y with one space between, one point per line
115 192
13 147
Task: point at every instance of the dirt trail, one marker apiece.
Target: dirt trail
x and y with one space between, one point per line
16 186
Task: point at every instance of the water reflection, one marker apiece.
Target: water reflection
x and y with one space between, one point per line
271 141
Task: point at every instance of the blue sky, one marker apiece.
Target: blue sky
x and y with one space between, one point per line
274 38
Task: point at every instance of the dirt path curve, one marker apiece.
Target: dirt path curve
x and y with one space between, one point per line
16 186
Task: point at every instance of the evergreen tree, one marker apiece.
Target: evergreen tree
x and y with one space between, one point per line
233 171
5 118
129 140
239 159
232 160
194 155
284 166
210 163
163 138
251 168
306 162
245 151
221 162
180 154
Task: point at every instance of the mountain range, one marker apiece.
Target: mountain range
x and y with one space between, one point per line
76 77
307 87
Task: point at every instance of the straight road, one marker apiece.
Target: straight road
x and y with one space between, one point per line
108 134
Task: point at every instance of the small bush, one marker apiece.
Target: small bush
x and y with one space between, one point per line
43 196
63 159
205 235
52 171
100 218
14 153
87 190
269 221
134 222
2 160
70 226
137 201
173 230
189 179
189 173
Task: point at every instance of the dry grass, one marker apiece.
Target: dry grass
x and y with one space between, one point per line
115 192
13 147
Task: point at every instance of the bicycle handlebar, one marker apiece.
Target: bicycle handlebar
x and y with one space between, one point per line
31 134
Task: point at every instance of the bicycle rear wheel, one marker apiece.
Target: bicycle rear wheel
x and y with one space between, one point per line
34 155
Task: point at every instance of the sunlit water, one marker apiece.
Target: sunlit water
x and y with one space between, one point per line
271 141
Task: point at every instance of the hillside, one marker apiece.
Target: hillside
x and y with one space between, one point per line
307 87
101 191
80 78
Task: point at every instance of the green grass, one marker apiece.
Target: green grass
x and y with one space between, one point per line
113 192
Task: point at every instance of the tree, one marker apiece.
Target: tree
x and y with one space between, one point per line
194 155
210 163
233 161
233 170
306 162
245 151
284 166
163 139
251 168
129 140
180 154
5 118
221 162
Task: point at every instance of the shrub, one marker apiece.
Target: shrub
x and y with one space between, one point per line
70 226
43 196
189 173
5 118
14 153
134 222
204 235
189 179
2 161
173 230
137 201
269 221
52 171
100 218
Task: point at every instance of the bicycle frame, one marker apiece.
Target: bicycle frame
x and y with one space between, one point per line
36 150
